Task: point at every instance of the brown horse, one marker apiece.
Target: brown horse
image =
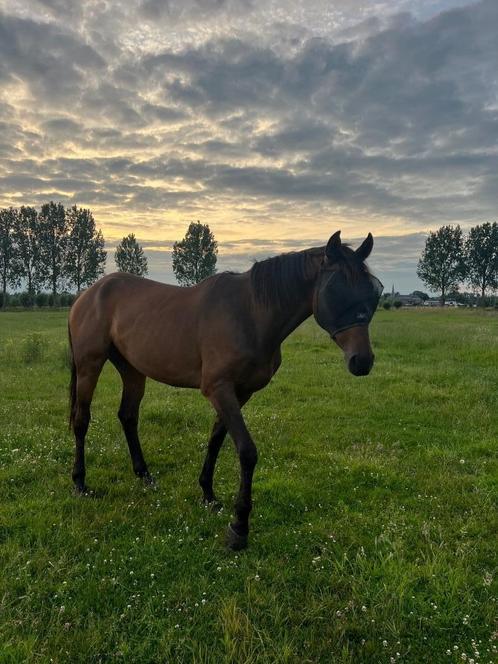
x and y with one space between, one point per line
222 336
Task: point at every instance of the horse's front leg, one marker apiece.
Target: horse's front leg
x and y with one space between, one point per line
227 405
206 478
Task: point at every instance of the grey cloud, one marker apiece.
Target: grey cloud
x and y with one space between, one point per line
25 183
218 148
65 126
113 103
162 113
7 150
303 135
401 86
58 8
226 75
178 10
51 60
30 184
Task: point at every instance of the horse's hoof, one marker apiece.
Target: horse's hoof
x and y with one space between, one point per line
148 479
214 505
81 490
234 541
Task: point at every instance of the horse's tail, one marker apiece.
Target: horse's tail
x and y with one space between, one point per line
72 382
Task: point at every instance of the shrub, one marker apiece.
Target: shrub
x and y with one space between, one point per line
66 299
26 299
33 348
41 299
53 300
398 304
387 305
8 352
65 355
13 300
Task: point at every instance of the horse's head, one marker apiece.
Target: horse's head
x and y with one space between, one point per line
346 297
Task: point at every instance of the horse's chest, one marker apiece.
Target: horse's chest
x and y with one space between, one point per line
257 374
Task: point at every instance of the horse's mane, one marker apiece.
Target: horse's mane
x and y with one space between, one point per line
281 279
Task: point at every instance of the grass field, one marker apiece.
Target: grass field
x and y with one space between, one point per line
374 530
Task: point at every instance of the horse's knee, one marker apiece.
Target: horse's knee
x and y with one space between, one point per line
249 456
81 421
243 507
127 419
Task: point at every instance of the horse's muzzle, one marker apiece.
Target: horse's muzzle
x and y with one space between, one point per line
360 365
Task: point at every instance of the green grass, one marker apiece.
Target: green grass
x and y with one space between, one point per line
374 528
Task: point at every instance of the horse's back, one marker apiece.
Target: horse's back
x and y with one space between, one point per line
109 296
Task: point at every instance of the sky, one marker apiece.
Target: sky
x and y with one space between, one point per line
275 122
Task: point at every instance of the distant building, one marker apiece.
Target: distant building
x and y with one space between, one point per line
406 300
436 302
410 300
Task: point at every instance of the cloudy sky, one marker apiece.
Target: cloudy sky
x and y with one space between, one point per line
275 121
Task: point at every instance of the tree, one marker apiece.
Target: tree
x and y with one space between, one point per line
194 257
9 265
130 256
53 245
26 236
481 257
85 249
441 265
420 294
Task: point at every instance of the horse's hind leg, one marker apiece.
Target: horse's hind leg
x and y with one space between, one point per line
133 391
87 375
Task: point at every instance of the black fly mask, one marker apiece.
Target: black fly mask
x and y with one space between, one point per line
341 305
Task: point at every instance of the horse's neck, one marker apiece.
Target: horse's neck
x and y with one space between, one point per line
287 325
279 324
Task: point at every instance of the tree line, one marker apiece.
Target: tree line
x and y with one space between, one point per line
61 249
55 248
451 259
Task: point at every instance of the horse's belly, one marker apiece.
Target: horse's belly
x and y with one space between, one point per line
168 356
171 375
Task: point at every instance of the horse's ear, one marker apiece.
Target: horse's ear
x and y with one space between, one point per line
365 248
333 246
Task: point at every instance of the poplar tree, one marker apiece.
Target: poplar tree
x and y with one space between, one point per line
53 245
194 257
85 258
130 256
481 257
9 264
27 242
441 266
